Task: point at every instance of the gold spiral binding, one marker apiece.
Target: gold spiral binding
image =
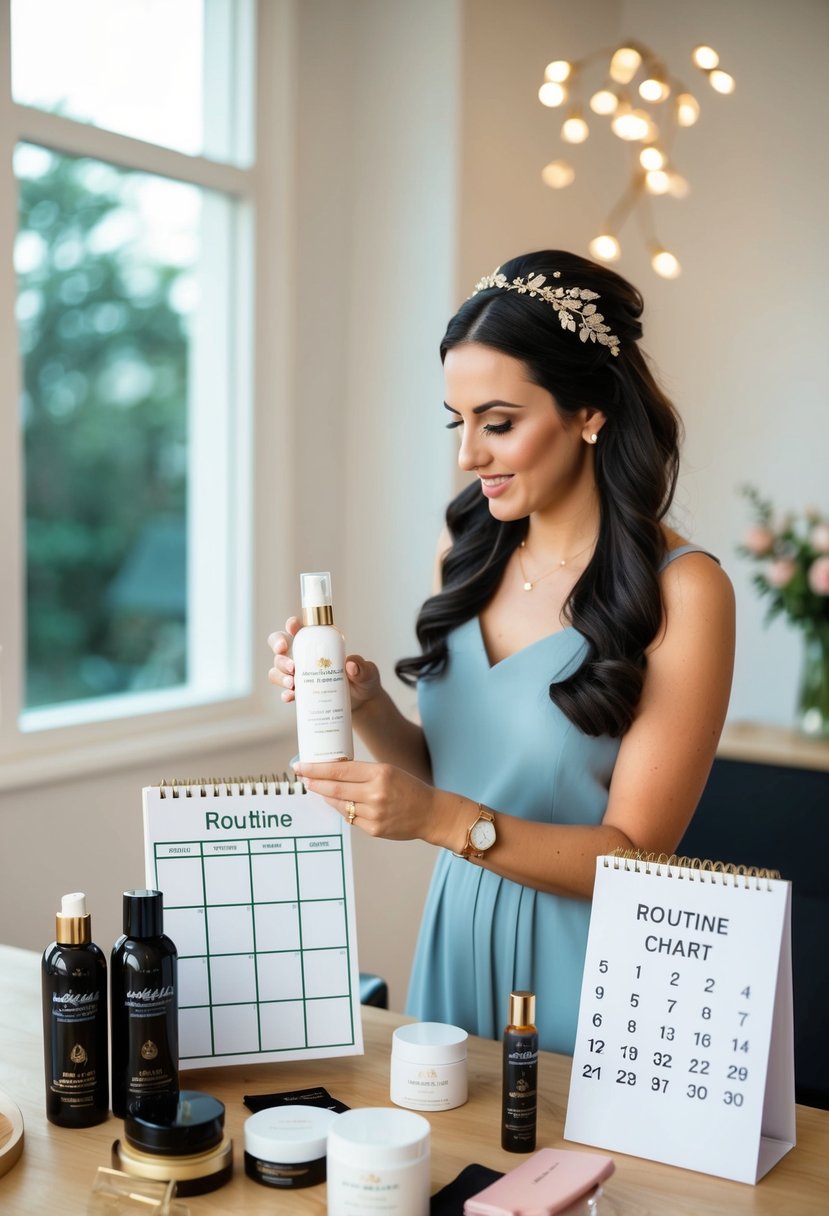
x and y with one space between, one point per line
696 870
265 785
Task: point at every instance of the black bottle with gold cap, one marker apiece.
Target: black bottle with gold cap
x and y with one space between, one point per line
74 991
519 1094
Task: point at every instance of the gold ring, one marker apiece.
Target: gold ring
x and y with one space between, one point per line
352 810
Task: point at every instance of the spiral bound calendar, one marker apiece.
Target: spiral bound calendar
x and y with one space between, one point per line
684 1047
259 900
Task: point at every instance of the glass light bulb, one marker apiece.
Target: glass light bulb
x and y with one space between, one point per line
552 94
624 64
652 157
721 81
653 89
657 181
604 102
705 57
558 174
559 70
631 124
605 247
678 185
574 130
665 264
687 110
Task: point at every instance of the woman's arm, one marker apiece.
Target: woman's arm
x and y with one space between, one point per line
661 770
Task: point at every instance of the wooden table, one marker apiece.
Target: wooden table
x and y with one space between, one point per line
58 1165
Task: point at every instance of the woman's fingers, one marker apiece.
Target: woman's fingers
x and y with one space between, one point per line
282 672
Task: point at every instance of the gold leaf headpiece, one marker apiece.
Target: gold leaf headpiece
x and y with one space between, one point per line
574 305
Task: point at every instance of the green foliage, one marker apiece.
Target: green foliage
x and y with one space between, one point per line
104 415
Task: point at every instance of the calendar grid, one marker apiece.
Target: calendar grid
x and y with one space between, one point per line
685 1015
263 922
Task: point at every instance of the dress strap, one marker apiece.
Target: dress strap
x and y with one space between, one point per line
681 551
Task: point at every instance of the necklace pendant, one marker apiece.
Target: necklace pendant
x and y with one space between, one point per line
528 586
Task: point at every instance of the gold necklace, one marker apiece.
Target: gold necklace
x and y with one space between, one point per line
528 585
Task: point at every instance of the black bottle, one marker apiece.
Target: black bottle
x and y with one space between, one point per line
519 1094
74 990
144 1006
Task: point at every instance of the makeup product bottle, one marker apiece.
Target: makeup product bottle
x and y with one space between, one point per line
519 1094
74 989
323 699
144 1006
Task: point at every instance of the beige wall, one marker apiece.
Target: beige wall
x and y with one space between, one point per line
414 177
737 338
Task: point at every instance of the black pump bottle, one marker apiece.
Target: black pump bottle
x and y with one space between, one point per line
144 1007
74 990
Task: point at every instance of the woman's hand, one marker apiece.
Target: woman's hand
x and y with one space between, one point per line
381 799
363 676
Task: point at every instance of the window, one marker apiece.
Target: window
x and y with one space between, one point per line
128 158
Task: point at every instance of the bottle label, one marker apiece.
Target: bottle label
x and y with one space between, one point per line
76 1048
74 1006
520 1094
149 1002
151 1066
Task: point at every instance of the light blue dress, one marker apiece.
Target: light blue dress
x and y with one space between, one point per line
495 736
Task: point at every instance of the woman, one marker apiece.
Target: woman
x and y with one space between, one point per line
576 659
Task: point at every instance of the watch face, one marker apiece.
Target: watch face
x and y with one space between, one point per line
482 834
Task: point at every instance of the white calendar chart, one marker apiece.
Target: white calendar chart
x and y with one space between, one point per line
684 1047
259 901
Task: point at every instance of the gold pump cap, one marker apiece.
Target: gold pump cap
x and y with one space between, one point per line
522 1009
73 924
317 604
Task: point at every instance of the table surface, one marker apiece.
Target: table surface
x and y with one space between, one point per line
58 1165
758 743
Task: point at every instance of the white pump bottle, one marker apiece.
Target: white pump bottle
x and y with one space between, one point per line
323 699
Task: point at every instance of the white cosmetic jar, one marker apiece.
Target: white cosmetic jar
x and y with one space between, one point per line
428 1066
379 1163
285 1145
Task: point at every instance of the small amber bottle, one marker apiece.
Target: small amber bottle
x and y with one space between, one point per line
519 1094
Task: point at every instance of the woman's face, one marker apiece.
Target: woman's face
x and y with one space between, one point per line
528 458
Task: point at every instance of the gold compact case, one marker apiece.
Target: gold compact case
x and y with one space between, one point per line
179 1138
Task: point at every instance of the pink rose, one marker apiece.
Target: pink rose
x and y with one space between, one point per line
781 572
819 576
819 537
759 540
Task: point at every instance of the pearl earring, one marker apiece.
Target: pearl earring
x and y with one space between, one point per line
593 438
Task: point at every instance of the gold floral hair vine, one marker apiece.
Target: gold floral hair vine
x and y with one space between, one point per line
574 305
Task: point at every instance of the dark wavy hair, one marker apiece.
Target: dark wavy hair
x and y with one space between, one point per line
616 604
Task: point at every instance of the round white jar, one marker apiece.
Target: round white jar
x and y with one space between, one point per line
379 1164
428 1066
285 1145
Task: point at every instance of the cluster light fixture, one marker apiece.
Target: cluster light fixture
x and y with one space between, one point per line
646 106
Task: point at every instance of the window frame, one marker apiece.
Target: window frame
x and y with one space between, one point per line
265 238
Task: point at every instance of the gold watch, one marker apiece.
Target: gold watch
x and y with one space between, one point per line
480 835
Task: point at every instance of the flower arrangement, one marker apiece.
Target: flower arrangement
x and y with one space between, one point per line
794 562
792 555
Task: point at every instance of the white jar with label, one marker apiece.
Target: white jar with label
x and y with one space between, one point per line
379 1163
428 1066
